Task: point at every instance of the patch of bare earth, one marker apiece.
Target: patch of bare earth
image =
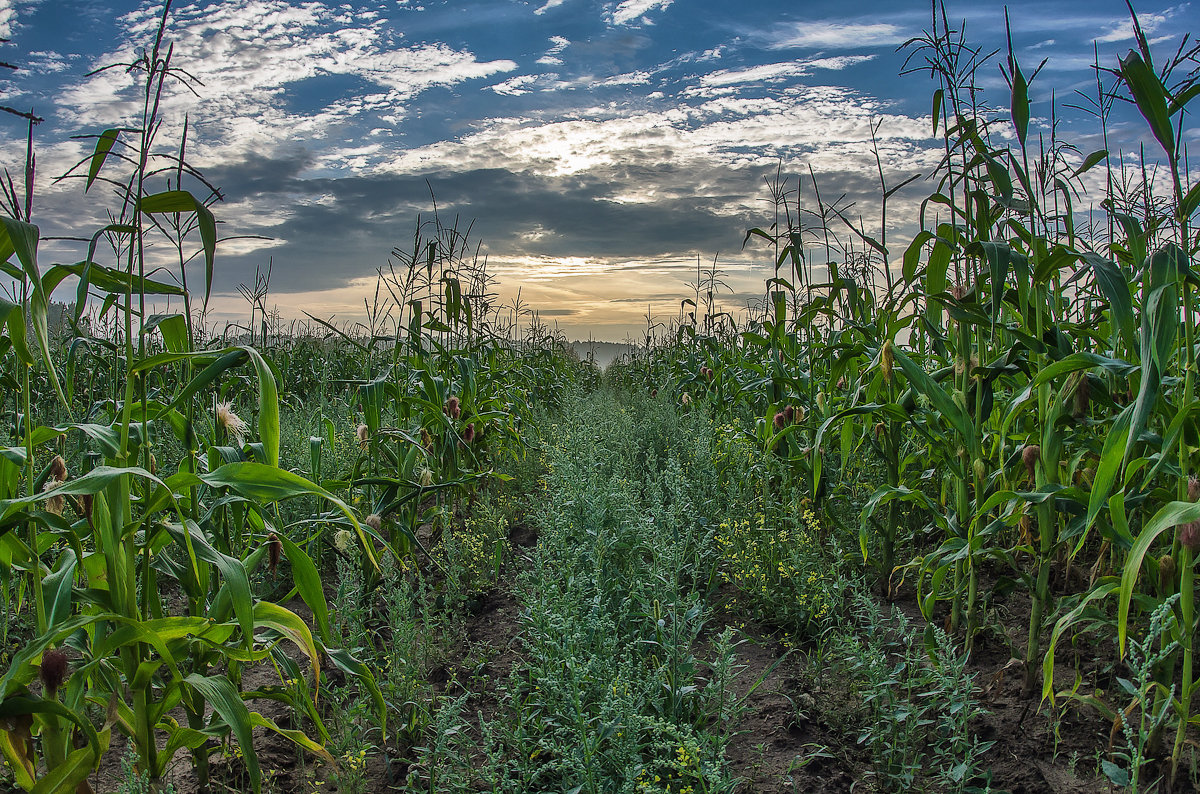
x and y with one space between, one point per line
799 728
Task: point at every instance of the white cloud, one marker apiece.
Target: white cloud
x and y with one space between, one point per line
836 35
516 86
839 62
1122 29
829 126
742 107
248 54
764 73
778 72
632 10
549 5
557 45
358 159
629 78
8 17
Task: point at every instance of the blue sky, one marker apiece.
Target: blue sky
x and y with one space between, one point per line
598 147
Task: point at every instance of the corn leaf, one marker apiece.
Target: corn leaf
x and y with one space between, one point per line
219 693
172 201
267 484
308 584
22 238
12 317
1168 517
104 145
1151 99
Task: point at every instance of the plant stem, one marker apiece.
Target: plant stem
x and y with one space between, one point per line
1187 630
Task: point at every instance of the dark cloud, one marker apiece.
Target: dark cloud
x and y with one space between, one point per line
338 229
358 220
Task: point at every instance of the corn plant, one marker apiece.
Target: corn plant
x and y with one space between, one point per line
103 633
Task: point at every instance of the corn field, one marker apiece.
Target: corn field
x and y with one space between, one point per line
914 514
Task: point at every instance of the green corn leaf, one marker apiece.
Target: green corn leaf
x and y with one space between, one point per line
104 145
1091 161
1183 98
999 257
81 291
308 584
298 737
73 770
1171 439
268 391
928 602
345 661
91 483
219 693
233 571
268 406
264 484
22 238
912 254
226 359
1114 286
1112 457
314 457
1100 591
885 494
57 588
1167 268
1191 200
158 633
20 762
174 330
1078 361
1168 517
1120 524
180 737
288 624
1020 102
998 176
819 439
13 318
954 414
19 705
937 267
1151 97
172 201
267 484
348 339
1135 238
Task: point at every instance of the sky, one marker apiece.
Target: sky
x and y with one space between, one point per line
597 151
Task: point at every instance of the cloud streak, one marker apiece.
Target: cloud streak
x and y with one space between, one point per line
634 10
836 35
